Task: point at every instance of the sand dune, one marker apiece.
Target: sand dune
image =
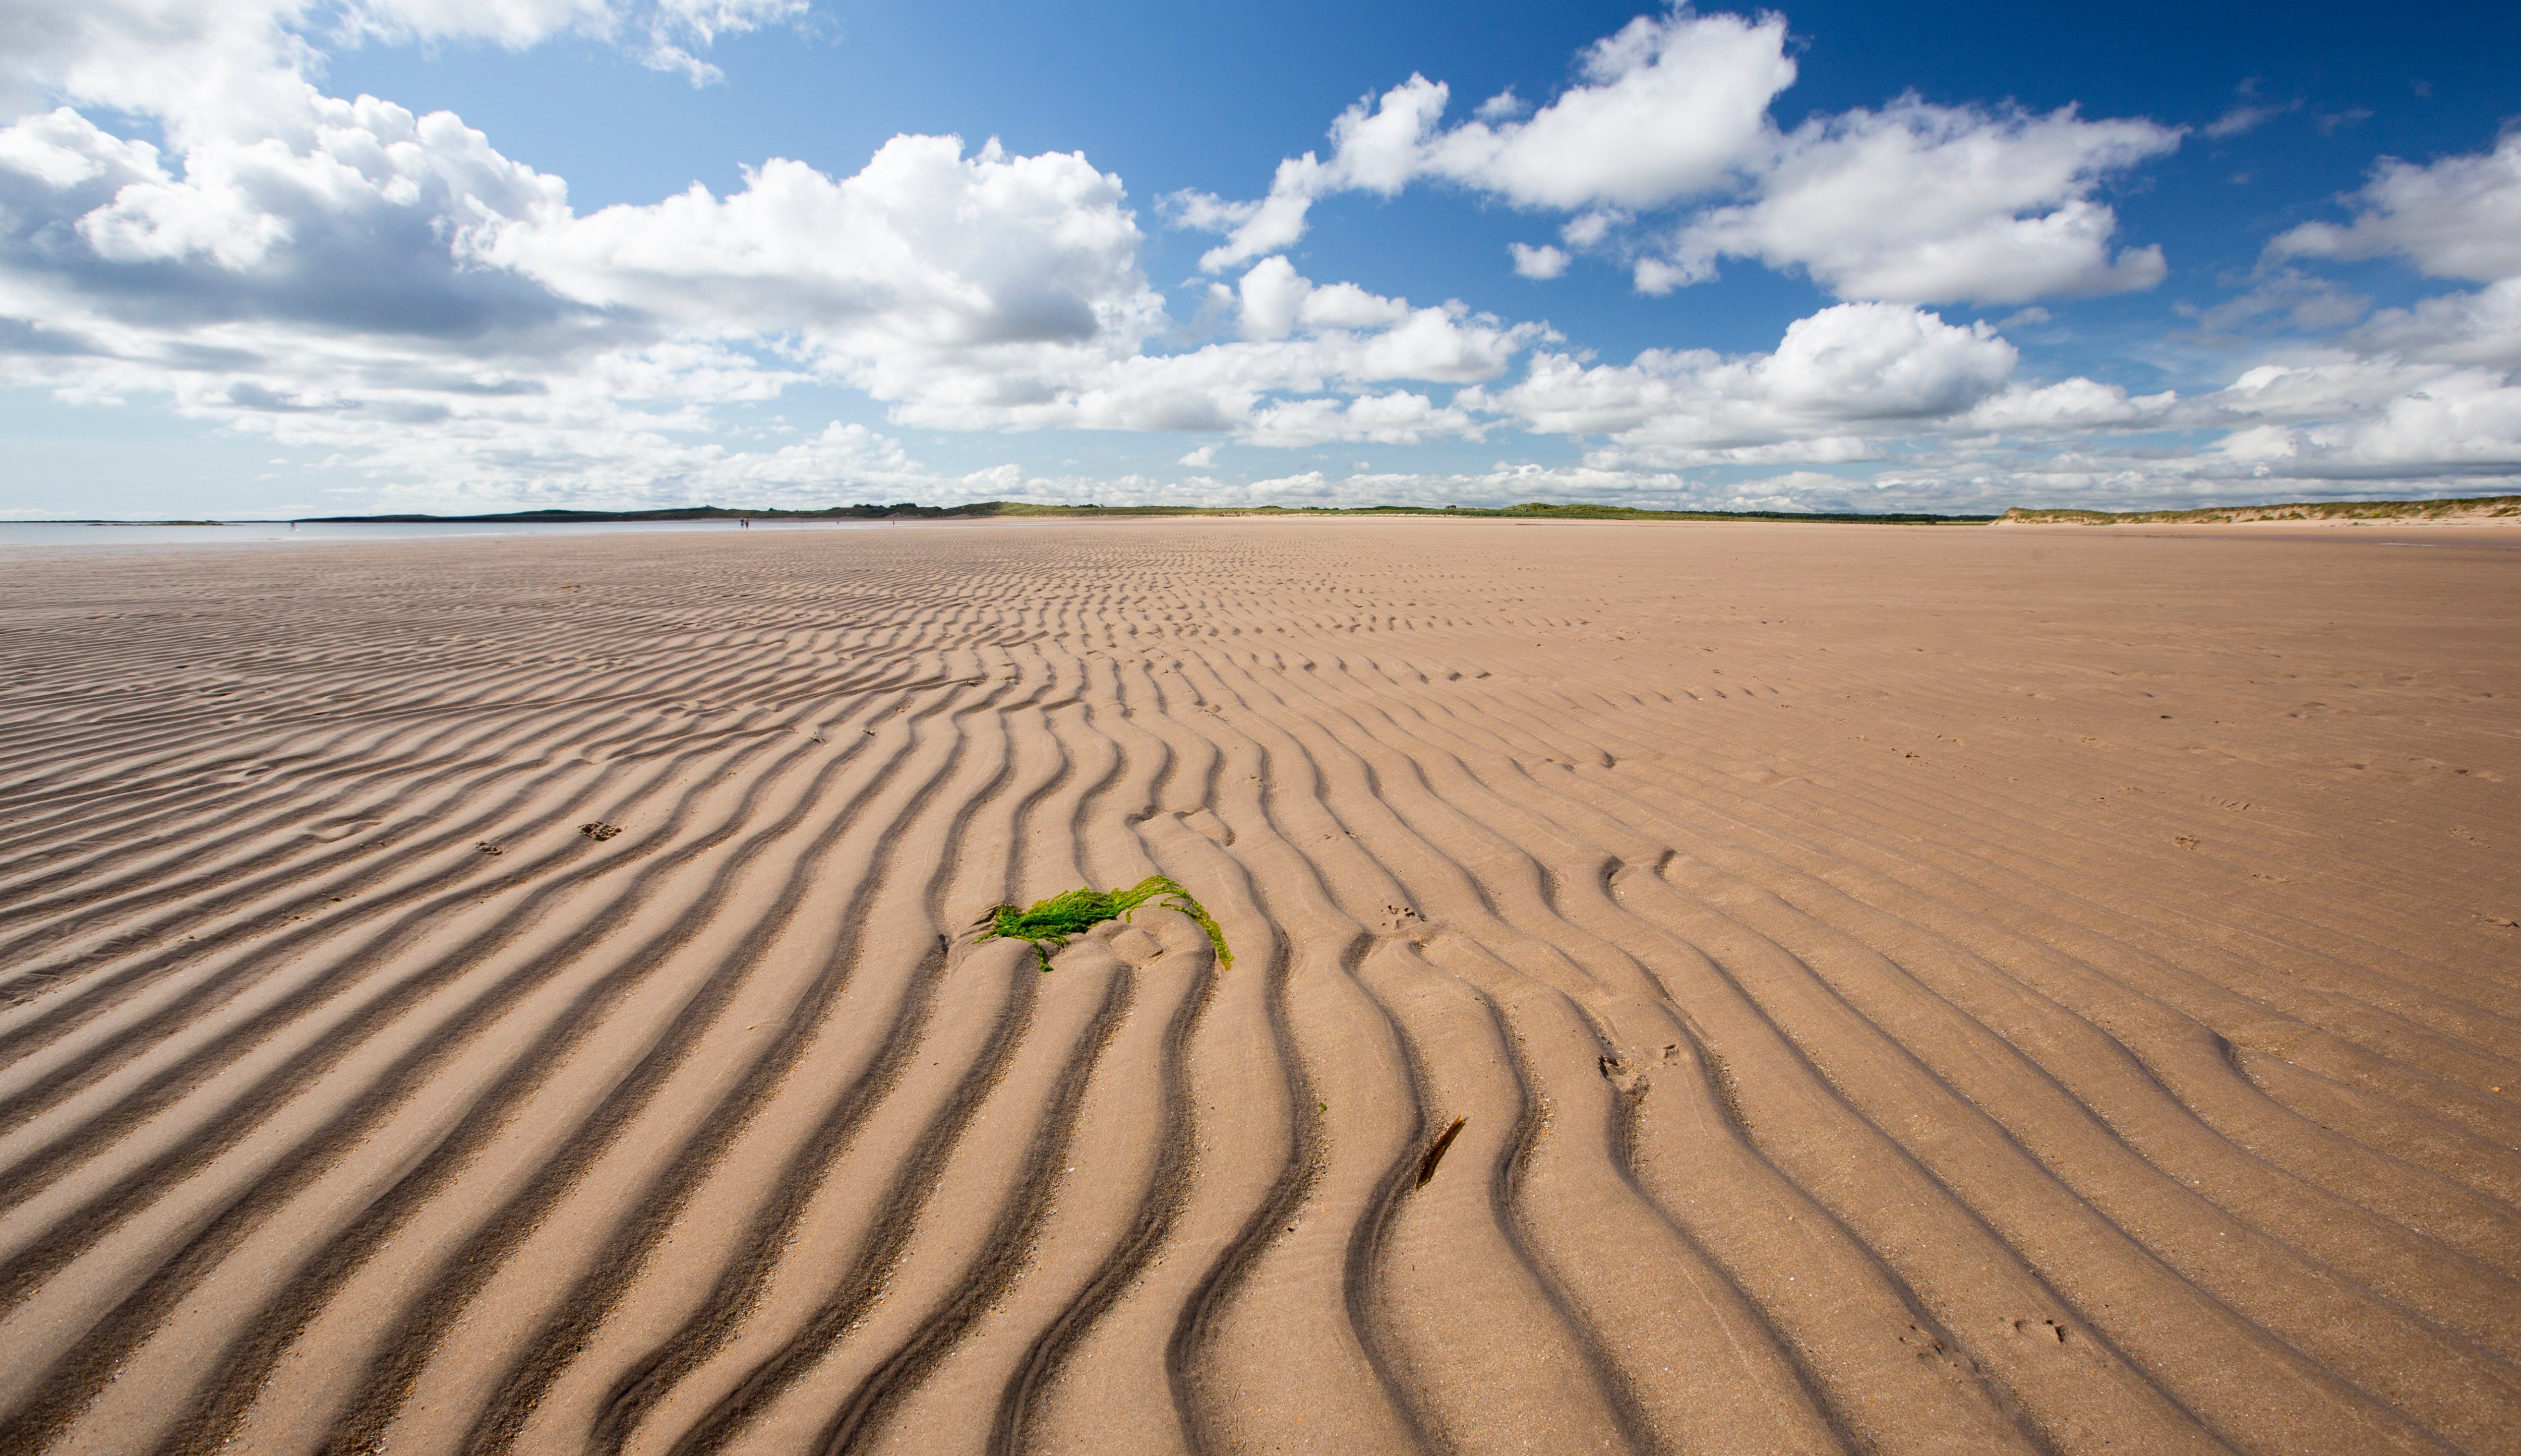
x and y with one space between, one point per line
1919 991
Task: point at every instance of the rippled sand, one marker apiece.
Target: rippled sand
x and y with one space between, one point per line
1936 989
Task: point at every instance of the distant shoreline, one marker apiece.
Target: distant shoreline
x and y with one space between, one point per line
1023 510
2464 508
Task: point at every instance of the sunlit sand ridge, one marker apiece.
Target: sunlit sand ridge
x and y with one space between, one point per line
1918 990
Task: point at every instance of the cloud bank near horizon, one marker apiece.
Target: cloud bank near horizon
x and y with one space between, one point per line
345 276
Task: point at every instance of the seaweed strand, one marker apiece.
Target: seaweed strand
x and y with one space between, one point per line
1052 923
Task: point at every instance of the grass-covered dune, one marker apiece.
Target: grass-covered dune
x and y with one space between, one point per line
2465 507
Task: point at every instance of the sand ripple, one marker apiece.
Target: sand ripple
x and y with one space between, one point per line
1904 990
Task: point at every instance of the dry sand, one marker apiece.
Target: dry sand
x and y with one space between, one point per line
1906 990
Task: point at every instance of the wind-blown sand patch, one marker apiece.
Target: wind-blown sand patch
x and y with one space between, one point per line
1905 989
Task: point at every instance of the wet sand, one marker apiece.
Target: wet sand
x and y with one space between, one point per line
1907 989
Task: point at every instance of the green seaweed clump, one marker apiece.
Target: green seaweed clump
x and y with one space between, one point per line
1052 923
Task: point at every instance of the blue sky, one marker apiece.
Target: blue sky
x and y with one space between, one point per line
259 257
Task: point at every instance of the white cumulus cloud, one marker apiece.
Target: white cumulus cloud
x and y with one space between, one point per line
2474 327
1668 108
1542 263
345 275
2410 393
2459 218
1913 202
2373 422
1833 377
186 216
928 272
1926 204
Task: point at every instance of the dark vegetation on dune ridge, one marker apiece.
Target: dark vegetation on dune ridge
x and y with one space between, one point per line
1052 923
1019 510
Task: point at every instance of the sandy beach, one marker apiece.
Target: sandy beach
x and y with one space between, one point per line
1939 990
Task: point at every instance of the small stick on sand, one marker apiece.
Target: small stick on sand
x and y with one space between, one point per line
1435 1152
